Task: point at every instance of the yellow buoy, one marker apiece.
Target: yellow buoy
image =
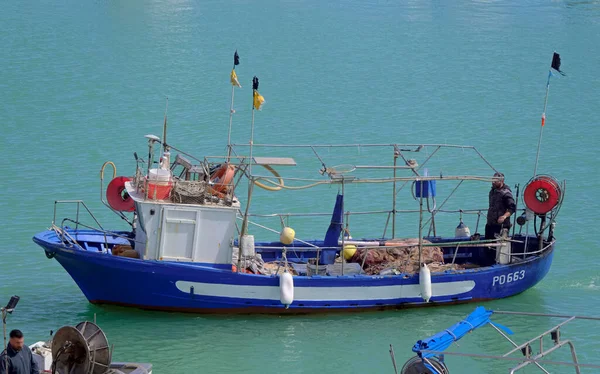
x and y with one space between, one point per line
287 235
349 251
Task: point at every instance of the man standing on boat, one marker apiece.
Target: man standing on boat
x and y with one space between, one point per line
502 206
20 359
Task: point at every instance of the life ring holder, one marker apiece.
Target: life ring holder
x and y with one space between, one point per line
221 179
542 194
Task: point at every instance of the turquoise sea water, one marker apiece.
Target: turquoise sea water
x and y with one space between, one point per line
82 82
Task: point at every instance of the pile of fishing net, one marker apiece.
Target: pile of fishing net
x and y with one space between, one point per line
256 265
400 256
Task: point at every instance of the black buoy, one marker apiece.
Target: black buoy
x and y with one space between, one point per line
522 219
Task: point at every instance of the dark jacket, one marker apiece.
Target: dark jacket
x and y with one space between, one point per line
19 362
501 200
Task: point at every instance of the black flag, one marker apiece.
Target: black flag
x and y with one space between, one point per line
255 83
556 63
236 59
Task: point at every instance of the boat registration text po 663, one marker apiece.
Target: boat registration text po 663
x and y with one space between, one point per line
508 278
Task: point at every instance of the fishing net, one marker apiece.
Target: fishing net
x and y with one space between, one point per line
256 265
400 256
189 192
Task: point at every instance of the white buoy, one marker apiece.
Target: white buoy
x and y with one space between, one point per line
462 231
504 253
286 289
425 282
247 244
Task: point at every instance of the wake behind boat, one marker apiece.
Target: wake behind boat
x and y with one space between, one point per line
190 248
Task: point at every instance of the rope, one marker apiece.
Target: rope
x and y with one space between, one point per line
453 336
278 186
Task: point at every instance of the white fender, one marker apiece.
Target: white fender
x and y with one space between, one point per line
425 282
286 289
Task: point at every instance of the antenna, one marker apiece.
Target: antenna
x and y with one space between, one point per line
8 309
165 127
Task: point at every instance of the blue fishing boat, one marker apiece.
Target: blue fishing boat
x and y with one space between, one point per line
190 246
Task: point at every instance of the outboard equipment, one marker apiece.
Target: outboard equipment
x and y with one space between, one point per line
415 365
80 349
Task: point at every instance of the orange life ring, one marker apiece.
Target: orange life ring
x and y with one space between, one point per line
115 197
542 194
221 179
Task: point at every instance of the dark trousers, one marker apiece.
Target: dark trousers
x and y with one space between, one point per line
492 229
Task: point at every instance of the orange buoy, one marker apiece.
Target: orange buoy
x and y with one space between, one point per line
116 199
247 271
542 194
221 179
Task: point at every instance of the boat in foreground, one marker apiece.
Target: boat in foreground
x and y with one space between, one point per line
80 349
192 247
431 352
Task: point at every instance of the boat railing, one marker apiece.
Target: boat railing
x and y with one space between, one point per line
64 236
79 204
473 241
71 240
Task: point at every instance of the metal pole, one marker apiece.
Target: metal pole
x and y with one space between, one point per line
393 359
541 232
244 229
516 345
231 111
517 186
537 156
420 224
251 142
343 228
150 156
394 197
546 315
5 344
164 139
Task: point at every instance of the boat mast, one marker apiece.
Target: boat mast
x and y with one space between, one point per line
231 111
164 138
556 66
421 222
234 82
394 195
343 226
244 229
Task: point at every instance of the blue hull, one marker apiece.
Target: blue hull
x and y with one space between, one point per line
186 287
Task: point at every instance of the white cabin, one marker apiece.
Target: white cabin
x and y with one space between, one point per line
169 231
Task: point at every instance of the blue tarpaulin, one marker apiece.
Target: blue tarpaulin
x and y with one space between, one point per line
333 233
442 340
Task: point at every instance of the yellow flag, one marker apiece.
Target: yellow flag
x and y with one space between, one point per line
258 100
234 79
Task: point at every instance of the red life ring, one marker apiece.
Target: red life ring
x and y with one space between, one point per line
115 197
222 178
542 194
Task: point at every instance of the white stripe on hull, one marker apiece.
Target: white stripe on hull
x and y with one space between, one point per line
324 293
